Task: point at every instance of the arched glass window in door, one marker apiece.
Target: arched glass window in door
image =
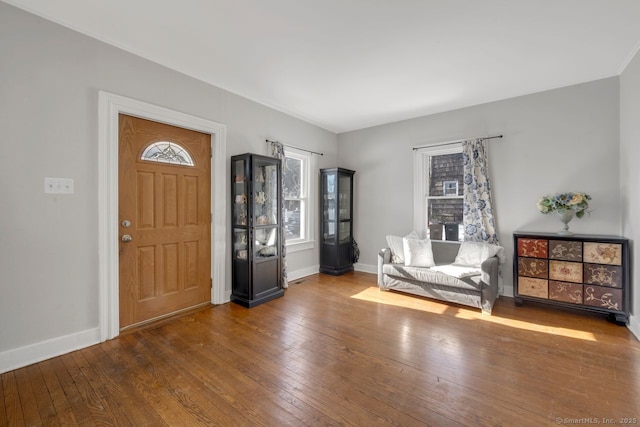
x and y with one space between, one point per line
167 152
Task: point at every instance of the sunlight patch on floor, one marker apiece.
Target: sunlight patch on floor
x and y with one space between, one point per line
374 294
519 324
399 300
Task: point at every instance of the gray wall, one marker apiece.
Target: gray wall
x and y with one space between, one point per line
559 140
629 171
49 82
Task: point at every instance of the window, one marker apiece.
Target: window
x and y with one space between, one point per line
167 152
438 188
450 188
298 199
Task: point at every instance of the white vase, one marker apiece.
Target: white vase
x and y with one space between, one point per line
565 216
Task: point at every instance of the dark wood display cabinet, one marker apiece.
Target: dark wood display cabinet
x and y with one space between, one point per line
256 196
587 272
336 221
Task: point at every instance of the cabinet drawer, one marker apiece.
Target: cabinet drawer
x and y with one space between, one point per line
565 250
566 292
533 248
605 275
533 267
598 296
533 287
603 253
565 271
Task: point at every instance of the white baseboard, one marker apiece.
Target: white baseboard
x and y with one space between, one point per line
303 272
507 291
366 268
634 326
34 353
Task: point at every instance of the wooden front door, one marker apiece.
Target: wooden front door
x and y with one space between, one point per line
164 207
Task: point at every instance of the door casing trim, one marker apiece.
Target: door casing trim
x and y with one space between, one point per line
109 107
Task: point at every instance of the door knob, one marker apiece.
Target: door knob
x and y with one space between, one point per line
126 238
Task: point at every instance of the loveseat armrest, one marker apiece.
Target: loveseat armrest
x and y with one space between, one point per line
384 257
489 276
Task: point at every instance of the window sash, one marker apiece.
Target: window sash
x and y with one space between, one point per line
421 174
305 241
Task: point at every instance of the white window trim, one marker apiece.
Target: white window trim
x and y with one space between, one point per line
309 168
420 177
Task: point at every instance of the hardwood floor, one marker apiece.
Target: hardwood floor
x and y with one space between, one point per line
337 351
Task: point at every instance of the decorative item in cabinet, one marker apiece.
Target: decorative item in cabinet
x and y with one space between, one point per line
586 272
256 230
336 225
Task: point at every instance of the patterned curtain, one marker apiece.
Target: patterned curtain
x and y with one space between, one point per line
277 151
477 211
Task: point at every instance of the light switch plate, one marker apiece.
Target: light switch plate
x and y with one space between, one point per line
58 185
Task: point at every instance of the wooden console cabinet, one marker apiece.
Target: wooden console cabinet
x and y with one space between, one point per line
587 272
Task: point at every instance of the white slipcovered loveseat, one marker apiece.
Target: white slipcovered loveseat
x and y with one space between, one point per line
459 272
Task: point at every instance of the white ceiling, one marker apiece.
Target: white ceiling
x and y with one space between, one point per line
350 64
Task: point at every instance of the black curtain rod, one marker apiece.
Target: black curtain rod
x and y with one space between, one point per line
297 148
454 142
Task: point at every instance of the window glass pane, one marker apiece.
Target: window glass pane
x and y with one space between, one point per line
445 219
292 178
167 152
450 188
292 214
445 168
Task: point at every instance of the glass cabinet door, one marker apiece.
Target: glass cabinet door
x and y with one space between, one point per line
345 197
265 193
344 234
329 208
240 244
239 195
266 242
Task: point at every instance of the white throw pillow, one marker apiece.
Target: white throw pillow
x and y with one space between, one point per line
475 253
418 253
397 249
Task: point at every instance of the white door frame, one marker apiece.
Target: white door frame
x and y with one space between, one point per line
109 107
